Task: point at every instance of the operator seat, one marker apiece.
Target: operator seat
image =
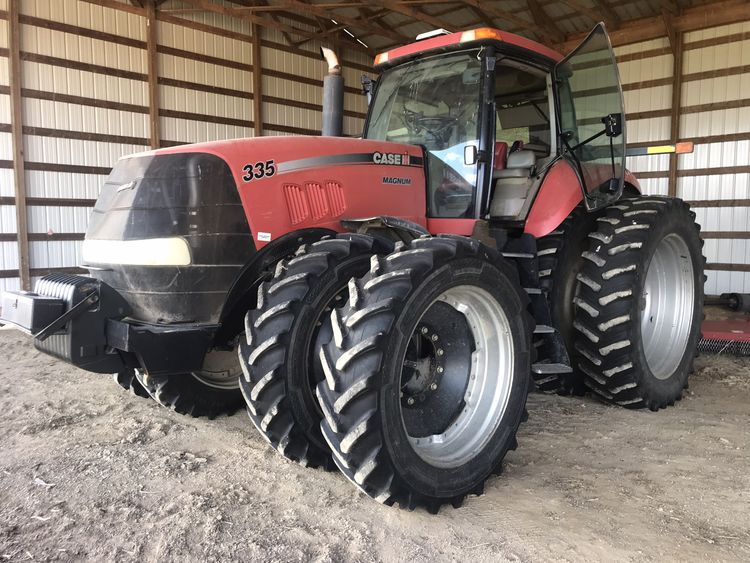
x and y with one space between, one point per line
512 184
501 155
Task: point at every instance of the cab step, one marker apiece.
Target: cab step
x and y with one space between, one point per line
543 369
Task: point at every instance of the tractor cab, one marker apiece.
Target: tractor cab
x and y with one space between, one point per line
497 114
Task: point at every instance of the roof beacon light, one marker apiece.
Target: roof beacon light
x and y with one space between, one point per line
433 33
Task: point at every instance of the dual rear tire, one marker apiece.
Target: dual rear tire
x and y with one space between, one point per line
420 359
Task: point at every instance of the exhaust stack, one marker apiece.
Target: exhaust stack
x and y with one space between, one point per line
333 96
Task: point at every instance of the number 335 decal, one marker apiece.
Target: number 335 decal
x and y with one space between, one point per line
258 170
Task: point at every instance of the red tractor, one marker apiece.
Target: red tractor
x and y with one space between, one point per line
393 299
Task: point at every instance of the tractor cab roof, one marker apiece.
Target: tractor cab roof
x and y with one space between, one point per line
460 40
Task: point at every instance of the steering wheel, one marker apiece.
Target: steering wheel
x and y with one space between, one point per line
439 126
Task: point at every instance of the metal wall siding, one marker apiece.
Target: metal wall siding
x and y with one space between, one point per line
6 183
217 20
8 218
180 68
63 185
182 99
48 78
187 131
53 43
203 43
74 151
88 15
55 253
73 117
633 71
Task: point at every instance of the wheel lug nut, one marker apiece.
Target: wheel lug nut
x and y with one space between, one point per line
424 330
433 386
440 369
410 400
434 337
440 352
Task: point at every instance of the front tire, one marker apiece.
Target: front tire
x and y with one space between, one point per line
640 302
428 372
127 379
211 392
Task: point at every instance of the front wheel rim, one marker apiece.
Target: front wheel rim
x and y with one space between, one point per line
667 306
220 370
489 380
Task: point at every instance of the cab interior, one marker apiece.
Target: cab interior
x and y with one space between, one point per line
524 142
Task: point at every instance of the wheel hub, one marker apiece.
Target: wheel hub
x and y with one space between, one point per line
457 376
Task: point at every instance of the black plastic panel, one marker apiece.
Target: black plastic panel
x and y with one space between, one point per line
190 195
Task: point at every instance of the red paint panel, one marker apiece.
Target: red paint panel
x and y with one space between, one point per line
318 200
352 189
439 226
296 203
483 35
732 330
336 200
559 194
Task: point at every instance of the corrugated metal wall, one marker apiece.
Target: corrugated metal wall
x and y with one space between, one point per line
85 104
715 114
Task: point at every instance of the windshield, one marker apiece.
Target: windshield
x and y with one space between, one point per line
434 102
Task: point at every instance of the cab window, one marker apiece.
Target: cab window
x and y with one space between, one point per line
522 103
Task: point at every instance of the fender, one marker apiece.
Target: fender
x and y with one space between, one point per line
243 292
404 230
558 195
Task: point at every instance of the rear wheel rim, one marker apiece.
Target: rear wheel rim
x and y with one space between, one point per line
481 408
667 306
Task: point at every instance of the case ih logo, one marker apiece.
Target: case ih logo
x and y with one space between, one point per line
399 159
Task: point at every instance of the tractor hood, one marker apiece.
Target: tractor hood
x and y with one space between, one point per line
291 183
172 228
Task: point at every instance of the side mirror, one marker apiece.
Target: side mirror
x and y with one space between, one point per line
613 124
471 155
368 87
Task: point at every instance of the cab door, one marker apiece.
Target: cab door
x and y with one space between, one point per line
591 118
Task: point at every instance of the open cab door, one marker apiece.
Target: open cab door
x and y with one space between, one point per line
591 118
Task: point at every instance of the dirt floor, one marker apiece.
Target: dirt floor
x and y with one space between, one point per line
89 472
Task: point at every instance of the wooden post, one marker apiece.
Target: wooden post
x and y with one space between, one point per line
257 82
153 74
674 135
16 120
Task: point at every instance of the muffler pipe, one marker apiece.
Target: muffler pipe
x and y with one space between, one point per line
333 96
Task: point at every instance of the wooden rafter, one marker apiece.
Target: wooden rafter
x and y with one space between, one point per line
482 15
691 19
543 20
328 14
415 13
522 23
593 14
608 13
269 22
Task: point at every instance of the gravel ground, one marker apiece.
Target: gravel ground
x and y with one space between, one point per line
90 472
